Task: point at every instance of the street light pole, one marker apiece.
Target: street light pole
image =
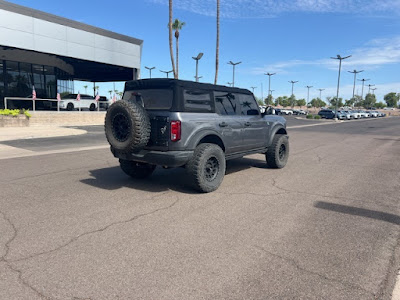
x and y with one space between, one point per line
362 89
229 83
369 87
197 58
292 82
373 90
337 92
320 93
253 87
150 69
269 80
233 77
308 93
355 72
167 72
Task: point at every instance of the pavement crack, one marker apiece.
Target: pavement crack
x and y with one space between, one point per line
295 264
74 239
26 283
249 193
11 239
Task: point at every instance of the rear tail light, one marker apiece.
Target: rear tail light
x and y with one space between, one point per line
175 131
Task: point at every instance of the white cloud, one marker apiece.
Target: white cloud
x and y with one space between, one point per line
374 54
272 8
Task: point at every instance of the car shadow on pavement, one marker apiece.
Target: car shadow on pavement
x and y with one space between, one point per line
161 180
113 178
356 211
237 165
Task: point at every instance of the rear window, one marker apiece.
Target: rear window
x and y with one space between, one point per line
152 99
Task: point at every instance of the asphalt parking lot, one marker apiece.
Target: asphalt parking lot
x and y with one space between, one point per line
73 226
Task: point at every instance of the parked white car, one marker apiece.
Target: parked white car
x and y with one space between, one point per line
363 114
354 114
286 112
373 113
70 102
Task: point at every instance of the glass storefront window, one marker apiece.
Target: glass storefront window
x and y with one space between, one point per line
50 80
38 81
1 85
12 75
24 80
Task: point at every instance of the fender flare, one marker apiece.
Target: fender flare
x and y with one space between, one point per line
195 140
278 129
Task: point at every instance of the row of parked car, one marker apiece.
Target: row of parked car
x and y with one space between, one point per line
350 114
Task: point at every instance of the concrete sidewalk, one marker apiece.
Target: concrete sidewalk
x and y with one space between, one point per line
37 131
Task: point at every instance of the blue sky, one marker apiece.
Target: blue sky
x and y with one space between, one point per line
295 39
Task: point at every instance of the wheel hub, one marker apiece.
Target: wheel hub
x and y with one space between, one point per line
121 127
282 151
211 168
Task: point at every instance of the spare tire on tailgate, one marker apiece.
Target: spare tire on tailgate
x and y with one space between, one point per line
127 126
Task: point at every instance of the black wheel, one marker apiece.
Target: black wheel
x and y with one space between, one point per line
70 106
207 167
278 153
136 169
92 107
127 126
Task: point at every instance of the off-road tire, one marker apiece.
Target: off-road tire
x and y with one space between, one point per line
127 126
278 153
206 168
92 107
70 106
136 169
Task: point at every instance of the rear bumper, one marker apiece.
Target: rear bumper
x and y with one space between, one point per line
168 159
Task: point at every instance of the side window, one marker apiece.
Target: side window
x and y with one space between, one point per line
197 100
248 105
226 103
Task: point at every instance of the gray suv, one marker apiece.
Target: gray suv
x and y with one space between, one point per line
175 123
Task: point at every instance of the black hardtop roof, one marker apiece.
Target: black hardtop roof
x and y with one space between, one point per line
169 82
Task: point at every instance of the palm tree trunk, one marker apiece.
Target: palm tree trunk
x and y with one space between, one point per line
171 50
177 58
217 47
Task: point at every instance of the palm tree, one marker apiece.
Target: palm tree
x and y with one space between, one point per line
177 25
171 50
110 91
85 87
217 47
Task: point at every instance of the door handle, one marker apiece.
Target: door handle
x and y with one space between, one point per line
247 124
223 124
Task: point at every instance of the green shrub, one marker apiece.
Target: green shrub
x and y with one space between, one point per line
309 116
15 112
317 117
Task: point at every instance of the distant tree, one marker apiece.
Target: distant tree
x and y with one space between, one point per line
177 26
332 101
358 101
292 100
301 102
171 50
369 101
316 102
259 101
380 105
269 100
85 87
349 102
110 91
391 99
283 101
